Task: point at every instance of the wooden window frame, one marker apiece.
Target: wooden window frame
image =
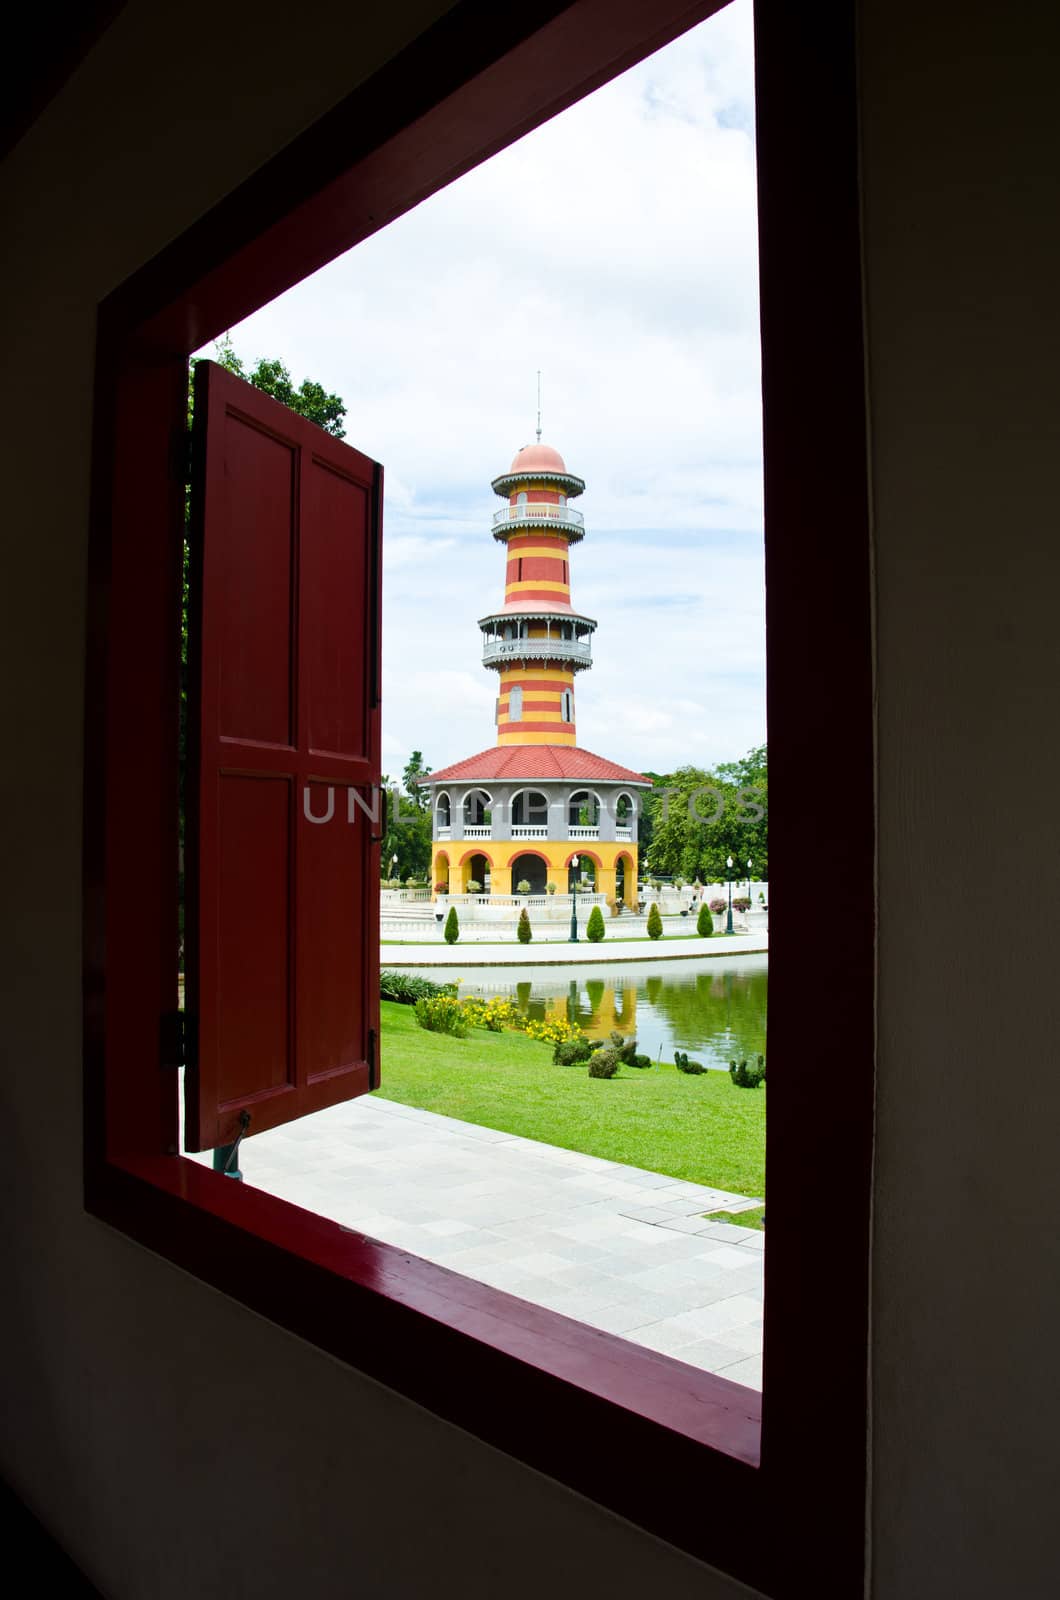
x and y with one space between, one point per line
772 1492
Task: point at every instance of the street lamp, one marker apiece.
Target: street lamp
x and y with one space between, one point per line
393 864
750 864
573 901
728 920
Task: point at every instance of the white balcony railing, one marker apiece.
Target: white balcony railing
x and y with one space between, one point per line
529 831
443 831
538 513
623 833
477 830
577 650
583 833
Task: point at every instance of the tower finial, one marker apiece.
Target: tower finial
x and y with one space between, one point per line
539 405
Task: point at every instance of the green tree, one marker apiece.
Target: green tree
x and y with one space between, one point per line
704 922
694 819
524 932
452 926
311 400
415 768
594 928
655 925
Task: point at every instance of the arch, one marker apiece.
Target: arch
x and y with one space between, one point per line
584 855
469 855
440 873
631 805
580 799
529 808
532 866
443 810
476 803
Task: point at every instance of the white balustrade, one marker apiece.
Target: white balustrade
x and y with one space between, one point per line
623 833
539 649
529 831
538 511
583 833
475 831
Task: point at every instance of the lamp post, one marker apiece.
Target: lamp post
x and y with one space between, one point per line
750 864
728 919
393 864
573 901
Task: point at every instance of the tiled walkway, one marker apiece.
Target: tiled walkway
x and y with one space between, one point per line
613 1246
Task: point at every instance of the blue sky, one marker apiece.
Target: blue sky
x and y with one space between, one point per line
614 249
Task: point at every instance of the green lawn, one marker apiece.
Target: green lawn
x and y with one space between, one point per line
699 1128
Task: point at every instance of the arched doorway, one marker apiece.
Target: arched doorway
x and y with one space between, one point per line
441 873
477 870
532 870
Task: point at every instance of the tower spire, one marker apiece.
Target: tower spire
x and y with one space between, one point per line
539 405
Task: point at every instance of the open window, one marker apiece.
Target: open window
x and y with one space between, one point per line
702 1463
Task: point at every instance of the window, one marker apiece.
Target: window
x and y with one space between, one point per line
567 706
518 1376
515 704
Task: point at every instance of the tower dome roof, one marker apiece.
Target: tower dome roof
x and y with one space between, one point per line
538 458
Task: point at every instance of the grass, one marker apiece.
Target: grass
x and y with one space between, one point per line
697 1128
754 1218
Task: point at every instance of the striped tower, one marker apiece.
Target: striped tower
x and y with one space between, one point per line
536 641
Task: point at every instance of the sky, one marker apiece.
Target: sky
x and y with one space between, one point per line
615 250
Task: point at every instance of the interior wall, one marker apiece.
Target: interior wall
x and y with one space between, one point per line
963 247
174 1443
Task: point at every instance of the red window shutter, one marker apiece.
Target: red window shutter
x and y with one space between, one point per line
282 905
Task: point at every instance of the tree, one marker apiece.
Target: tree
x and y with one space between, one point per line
704 922
310 399
415 768
594 928
524 932
451 931
655 926
695 818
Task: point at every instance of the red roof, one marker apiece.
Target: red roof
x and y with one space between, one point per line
518 761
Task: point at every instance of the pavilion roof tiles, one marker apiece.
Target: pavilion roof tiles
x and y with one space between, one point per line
516 762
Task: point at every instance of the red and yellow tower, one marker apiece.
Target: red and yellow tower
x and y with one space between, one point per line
536 641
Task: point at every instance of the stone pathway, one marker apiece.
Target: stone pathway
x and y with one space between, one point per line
613 1246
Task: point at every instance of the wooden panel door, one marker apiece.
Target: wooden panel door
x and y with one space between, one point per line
282 913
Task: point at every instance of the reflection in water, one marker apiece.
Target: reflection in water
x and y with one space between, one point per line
714 1009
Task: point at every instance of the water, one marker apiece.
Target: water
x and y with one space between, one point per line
714 1009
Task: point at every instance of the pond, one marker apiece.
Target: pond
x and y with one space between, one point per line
714 1009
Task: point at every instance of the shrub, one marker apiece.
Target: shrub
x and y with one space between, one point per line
683 1064
741 903
406 989
523 886
442 1014
473 886
495 1014
412 883
594 928
745 1077
524 933
452 926
441 888
603 1063
654 921
550 887
717 905
570 1051
641 1061
704 922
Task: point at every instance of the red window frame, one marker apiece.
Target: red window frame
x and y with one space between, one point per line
773 1493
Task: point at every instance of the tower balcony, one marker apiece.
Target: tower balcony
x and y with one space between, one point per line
577 653
561 519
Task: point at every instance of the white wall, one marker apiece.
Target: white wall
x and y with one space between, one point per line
144 1402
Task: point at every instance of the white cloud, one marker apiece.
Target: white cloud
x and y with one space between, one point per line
615 249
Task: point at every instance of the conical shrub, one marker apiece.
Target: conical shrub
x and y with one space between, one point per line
654 921
594 928
704 922
524 933
452 926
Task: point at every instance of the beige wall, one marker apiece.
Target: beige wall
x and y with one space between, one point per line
124 1431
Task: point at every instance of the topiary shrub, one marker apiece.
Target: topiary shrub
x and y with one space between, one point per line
683 1064
704 922
603 1063
523 886
524 933
745 1077
594 928
717 906
654 921
741 903
452 926
550 887
570 1051
641 1061
473 886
